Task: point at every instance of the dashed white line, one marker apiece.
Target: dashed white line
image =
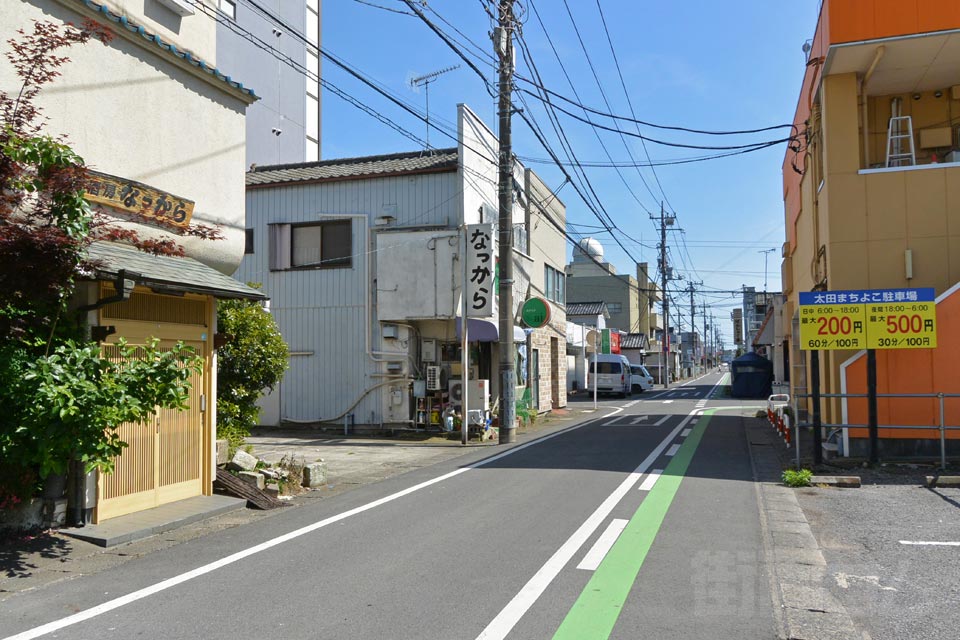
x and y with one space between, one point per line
603 544
684 433
661 421
672 451
928 543
650 480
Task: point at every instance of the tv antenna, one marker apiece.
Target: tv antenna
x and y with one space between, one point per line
765 252
424 81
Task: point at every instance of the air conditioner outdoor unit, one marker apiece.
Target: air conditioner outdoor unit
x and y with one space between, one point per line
479 398
433 378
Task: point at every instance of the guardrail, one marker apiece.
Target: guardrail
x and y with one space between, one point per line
942 427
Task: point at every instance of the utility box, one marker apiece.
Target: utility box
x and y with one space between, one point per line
428 350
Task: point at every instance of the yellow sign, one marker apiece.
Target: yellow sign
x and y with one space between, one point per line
833 326
140 199
902 325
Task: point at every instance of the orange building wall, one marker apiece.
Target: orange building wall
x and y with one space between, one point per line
853 21
912 371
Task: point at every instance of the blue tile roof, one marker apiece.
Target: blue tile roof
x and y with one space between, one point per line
168 46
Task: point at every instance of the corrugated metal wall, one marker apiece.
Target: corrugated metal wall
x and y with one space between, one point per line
321 312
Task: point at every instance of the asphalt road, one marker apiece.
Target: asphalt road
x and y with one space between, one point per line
640 523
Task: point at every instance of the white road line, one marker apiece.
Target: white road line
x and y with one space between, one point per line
629 404
683 434
501 625
163 585
664 402
650 480
672 451
660 421
603 544
638 419
925 543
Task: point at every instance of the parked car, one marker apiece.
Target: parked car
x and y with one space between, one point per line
613 374
640 379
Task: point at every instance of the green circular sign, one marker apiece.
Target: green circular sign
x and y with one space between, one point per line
535 312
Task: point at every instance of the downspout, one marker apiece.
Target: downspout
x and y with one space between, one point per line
865 111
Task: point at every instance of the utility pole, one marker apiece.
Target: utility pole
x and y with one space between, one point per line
664 277
503 49
706 339
691 289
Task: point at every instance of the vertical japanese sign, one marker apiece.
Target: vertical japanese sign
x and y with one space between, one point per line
480 288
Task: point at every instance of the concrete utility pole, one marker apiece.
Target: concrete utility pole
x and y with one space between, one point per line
665 353
691 289
503 49
706 340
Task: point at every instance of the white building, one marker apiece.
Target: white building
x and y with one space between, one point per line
361 258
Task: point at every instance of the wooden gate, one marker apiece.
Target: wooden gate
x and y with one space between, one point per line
164 459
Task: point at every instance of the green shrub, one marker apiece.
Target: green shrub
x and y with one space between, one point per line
797 478
252 360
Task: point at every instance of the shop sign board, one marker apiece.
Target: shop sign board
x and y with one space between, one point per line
481 268
868 319
610 341
535 312
138 198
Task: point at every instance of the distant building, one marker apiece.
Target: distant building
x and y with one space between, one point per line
256 40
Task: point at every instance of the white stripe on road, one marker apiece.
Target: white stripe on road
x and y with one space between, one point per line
925 543
660 421
501 625
163 585
683 434
636 420
650 480
672 451
603 544
664 402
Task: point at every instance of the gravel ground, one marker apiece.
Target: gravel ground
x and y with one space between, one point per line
893 591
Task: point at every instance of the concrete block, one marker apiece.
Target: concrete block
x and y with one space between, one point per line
54 512
242 461
850 482
253 478
943 481
223 452
315 474
273 489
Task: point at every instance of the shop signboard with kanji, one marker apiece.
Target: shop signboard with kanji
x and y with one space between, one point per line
481 271
868 319
138 198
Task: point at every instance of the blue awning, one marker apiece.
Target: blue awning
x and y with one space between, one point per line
483 330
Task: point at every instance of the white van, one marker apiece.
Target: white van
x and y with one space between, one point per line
613 374
640 378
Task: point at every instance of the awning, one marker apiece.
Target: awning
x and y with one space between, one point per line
167 272
481 330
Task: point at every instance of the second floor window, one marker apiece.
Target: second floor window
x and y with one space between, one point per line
554 285
315 245
614 307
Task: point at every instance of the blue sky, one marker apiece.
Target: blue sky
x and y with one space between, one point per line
699 64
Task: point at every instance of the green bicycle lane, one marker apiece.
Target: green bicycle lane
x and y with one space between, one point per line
688 564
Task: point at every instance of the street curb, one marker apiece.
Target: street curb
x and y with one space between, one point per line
804 607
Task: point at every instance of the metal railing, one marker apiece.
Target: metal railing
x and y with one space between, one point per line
942 427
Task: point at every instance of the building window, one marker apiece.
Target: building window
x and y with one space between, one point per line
614 307
318 245
228 8
248 241
554 285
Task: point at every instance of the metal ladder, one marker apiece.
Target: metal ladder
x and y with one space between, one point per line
895 155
